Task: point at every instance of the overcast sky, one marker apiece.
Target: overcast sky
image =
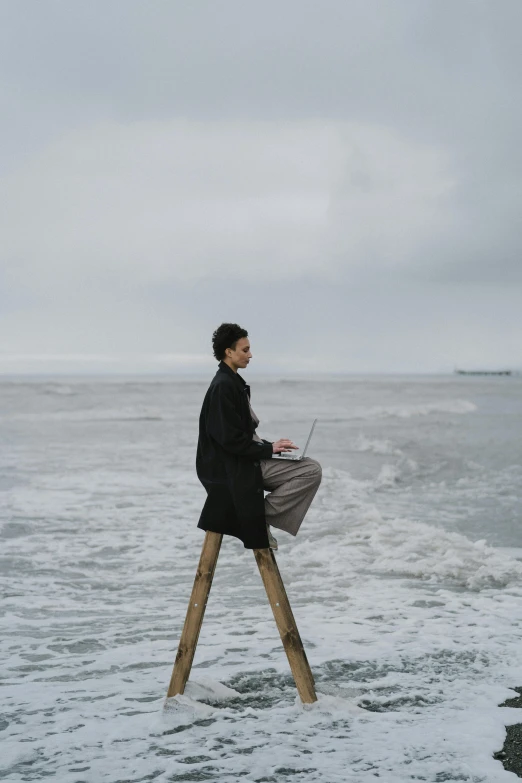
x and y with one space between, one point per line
343 178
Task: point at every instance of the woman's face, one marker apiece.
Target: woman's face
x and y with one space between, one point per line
241 356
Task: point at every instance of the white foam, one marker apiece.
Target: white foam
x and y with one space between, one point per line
375 445
409 547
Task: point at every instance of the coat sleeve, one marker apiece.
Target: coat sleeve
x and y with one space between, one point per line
225 426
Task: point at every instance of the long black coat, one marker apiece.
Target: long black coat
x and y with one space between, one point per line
227 462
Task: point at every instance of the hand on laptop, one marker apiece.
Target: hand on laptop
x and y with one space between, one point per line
283 444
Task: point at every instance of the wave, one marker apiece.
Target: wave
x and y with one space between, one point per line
335 415
421 409
124 414
368 541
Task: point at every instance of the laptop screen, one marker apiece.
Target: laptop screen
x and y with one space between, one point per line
309 437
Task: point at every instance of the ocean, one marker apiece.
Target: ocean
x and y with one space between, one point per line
405 580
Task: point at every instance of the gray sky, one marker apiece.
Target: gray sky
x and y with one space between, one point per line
343 178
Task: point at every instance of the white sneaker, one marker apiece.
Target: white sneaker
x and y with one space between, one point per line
272 542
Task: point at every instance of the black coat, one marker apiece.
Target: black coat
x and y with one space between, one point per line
227 462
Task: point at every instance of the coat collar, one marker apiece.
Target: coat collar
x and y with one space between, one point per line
223 367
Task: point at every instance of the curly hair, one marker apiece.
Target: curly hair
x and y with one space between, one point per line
226 336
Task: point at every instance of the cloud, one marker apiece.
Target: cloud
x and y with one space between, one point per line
147 203
166 167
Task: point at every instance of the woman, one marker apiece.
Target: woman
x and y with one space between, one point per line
235 465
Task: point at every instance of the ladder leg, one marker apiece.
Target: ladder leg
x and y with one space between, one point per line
286 625
195 612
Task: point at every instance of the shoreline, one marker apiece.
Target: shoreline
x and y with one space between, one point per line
511 753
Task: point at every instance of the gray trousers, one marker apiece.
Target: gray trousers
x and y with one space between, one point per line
292 486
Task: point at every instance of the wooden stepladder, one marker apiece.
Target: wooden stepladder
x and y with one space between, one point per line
278 600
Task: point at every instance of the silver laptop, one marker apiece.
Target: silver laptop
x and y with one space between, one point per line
291 454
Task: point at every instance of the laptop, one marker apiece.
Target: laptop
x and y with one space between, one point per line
290 454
